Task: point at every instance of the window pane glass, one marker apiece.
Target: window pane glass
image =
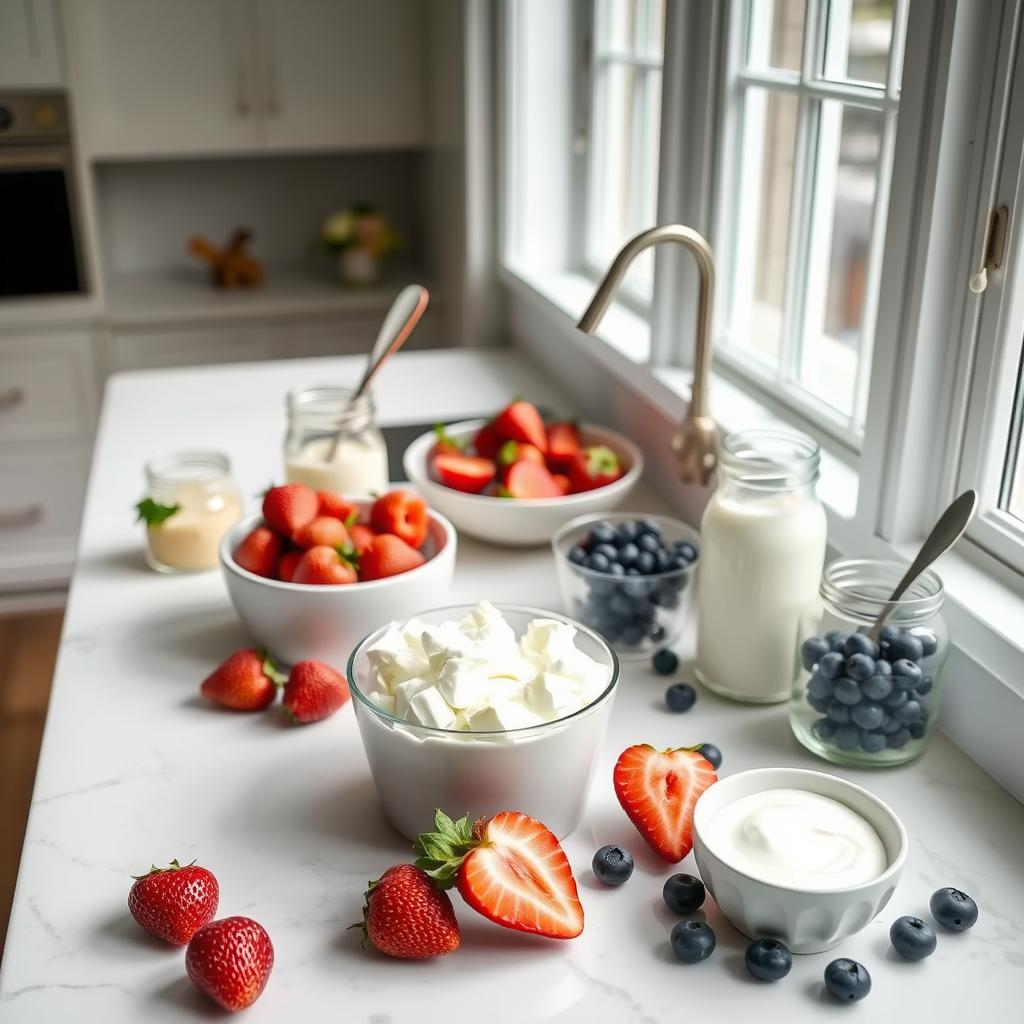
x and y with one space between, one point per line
857 40
776 33
764 186
617 25
1015 460
846 180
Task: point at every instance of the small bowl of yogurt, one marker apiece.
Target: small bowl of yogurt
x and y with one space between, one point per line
797 855
482 708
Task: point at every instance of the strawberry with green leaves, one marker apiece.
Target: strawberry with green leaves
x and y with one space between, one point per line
445 443
245 681
325 565
173 903
594 467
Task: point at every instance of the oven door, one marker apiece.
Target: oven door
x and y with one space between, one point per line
39 246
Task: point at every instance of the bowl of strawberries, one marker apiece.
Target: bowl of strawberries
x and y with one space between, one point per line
515 479
316 571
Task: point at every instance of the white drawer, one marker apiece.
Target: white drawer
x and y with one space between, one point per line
42 486
343 336
198 346
47 385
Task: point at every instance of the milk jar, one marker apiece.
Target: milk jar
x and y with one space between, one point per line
763 550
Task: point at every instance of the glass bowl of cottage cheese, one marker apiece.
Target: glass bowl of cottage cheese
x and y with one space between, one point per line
482 708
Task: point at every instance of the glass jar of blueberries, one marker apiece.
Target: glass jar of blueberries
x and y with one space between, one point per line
628 577
861 701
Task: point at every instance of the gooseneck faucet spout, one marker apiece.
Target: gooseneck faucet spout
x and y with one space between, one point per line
696 441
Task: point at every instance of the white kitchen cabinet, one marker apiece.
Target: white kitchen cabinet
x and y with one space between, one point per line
199 345
343 73
152 77
28 45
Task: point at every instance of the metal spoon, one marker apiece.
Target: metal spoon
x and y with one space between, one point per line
945 533
401 318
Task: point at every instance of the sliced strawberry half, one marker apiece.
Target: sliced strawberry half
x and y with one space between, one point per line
510 868
467 473
529 480
520 421
658 789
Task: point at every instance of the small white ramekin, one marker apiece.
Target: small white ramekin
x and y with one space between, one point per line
808 921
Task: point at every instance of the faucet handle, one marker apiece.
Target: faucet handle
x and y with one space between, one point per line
696 447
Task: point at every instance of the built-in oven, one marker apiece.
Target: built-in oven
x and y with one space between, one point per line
40 243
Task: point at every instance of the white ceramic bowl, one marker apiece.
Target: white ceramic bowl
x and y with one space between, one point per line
519 522
295 621
544 771
807 921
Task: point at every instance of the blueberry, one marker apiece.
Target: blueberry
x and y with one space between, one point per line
912 938
616 570
838 713
680 697
847 737
883 668
924 686
895 699
953 909
597 562
644 613
891 724
632 570
887 634
873 742
657 632
846 691
635 588
649 542
632 635
859 643
824 729
820 704
819 686
683 894
610 551
812 651
620 604
917 730
899 739
847 979
665 661
677 563
928 641
712 754
577 554
860 666
906 646
909 713
627 532
831 665
768 959
687 551
692 941
903 669
603 533
876 687
612 865
835 640
627 555
662 560
868 716
646 562
649 526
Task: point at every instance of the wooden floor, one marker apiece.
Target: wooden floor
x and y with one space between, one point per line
28 648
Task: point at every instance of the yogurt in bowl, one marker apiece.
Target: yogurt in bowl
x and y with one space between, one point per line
797 855
480 709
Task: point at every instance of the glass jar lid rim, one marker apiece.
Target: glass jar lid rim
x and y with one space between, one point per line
189 464
859 579
770 458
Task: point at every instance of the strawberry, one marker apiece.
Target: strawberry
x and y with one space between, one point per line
323 530
388 555
289 562
528 480
510 868
467 473
260 551
657 790
445 444
563 444
289 507
512 452
323 565
334 505
173 903
361 537
562 482
246 681
230 960
402 513
314 691
594 467
407 916
520 421
486 441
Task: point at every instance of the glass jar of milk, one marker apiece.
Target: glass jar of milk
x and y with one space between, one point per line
763 535
865 699
333 445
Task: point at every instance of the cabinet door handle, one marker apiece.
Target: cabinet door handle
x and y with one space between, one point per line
27 515
11 398
242 93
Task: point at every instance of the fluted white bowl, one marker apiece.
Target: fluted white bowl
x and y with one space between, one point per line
808 921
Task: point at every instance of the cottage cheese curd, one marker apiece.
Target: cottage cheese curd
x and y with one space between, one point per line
799 839
475 675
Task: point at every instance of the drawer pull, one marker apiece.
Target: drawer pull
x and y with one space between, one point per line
28 515
11 398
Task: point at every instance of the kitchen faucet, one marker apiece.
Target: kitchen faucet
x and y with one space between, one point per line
696 440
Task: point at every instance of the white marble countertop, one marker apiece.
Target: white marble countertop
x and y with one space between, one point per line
136 769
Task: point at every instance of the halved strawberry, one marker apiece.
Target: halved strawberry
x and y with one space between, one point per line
402 513
512 452
520 421
289 507
387 555
486 441
510 868
467 473
335 505
528 480
658 789
260 551
563 444
322 530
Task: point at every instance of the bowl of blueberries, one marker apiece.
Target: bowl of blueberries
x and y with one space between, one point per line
628 577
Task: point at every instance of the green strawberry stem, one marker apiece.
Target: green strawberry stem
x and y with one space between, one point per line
349 555
600 460
442 851
154 870
271 671
444 437
153 514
